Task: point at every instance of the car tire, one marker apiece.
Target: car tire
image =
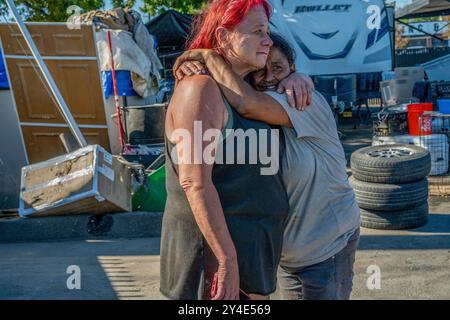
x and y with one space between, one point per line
395 220
397 163
390 197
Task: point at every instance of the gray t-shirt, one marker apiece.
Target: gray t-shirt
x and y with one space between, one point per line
324 213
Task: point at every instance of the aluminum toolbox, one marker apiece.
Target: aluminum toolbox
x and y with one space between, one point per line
88 180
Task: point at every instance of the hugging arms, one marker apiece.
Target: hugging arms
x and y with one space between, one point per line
247 101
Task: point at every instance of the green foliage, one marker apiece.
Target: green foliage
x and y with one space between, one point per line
51 10
186 6
123 3
3 10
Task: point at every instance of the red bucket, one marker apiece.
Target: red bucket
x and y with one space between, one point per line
419 125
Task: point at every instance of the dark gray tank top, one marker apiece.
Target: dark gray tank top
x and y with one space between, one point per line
255 207
241 187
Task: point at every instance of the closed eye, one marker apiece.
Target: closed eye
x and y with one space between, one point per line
277 69
263 31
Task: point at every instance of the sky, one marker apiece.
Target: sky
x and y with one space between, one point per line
108 4
399 3
139 3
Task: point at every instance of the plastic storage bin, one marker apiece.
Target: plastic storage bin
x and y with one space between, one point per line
444 105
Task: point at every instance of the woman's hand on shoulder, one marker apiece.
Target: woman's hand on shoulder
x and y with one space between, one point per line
192 62
298 88
189 69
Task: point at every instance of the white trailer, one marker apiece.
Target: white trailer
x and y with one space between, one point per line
336 36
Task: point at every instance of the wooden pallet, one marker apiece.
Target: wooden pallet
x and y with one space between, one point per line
439 185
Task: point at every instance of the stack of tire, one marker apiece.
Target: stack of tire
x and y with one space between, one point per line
391 186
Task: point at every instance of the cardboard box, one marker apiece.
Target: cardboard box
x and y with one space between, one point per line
88 180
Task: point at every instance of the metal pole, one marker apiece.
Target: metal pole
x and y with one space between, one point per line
51 83
116 92
390 15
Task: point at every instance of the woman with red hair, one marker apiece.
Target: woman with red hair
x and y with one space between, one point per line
322 229
222 219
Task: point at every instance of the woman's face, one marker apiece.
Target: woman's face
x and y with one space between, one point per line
247 46
276 69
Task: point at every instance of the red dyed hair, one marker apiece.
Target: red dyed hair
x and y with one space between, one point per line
221 13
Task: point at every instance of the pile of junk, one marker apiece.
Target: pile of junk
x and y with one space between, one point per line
417 112
131 68
129 174
409 157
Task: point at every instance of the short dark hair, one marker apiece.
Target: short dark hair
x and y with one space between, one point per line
284 46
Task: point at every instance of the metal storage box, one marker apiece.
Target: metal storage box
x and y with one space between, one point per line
88 180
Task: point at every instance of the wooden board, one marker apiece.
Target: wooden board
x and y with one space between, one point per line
43 143
78 82
50 39
439 185
71 58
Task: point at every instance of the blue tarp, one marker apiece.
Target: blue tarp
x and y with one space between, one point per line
3 79
124 84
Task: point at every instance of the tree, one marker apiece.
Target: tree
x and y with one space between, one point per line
447 34
157 6
123 3
3 11
51 10
400 40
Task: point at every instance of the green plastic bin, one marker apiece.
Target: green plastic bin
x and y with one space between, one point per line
153 198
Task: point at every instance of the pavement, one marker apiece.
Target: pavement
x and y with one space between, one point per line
121 225
413 264
109 269
118 255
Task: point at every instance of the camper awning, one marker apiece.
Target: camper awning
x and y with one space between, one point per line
423 9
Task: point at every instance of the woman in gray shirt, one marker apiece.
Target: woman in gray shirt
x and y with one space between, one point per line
322 231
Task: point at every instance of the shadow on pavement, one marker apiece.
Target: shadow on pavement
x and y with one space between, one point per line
108 269
434 235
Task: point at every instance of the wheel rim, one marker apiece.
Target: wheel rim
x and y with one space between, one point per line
390 153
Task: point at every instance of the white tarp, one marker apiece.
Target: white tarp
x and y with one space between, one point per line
335 36
127 56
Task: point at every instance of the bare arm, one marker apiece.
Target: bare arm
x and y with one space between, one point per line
243 98
198 99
